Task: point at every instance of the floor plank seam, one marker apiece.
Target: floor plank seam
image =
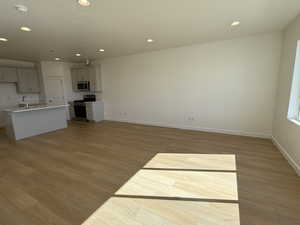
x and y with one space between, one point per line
177 198
191 170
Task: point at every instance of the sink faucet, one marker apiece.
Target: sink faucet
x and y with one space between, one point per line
26 105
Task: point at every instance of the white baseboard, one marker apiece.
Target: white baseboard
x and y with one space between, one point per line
212 130
287 156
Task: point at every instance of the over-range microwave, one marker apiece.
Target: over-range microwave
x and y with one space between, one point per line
83 86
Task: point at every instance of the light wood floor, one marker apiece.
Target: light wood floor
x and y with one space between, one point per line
61 178
139 211
182 184
210 162
170 193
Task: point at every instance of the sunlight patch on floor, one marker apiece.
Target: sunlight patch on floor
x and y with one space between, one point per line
176 189
224 162
131 211
182 184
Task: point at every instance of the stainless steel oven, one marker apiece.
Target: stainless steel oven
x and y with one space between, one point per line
83 86
80 106
80 109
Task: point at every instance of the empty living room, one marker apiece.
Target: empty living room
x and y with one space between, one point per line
161 112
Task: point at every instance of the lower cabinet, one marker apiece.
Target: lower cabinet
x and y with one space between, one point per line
71 110
95 111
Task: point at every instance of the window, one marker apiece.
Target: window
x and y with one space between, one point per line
294 105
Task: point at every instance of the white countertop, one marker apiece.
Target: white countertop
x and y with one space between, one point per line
96 102
33 108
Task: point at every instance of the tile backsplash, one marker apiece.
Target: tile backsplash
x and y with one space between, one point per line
10 98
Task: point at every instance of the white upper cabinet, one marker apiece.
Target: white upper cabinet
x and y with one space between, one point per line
75 78
89 73
28 81
79 75
8 74
95 78
83 74
26 78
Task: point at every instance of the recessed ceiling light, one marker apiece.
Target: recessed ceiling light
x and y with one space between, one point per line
57 58
3 39
25 29
235 23
84 2
78 54
21 8
101 50
150 40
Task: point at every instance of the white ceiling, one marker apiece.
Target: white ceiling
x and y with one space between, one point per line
122 26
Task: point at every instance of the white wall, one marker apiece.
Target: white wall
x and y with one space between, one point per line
8 91
227 86
285 132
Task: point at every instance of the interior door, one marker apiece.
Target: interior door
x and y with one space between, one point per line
55 91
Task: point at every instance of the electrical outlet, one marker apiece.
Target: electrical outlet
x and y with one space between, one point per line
191 118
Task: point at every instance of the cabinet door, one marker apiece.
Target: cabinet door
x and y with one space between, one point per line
89 111
34 86
8 74
28 81
71 111
92 79
79 74
95 78
74 77
1 75
83 74
98 79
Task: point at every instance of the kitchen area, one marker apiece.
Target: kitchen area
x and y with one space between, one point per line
41 97
87 80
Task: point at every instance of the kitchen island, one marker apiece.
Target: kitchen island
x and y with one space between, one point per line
23 122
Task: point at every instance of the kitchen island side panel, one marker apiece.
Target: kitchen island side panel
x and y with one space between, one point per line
31 123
